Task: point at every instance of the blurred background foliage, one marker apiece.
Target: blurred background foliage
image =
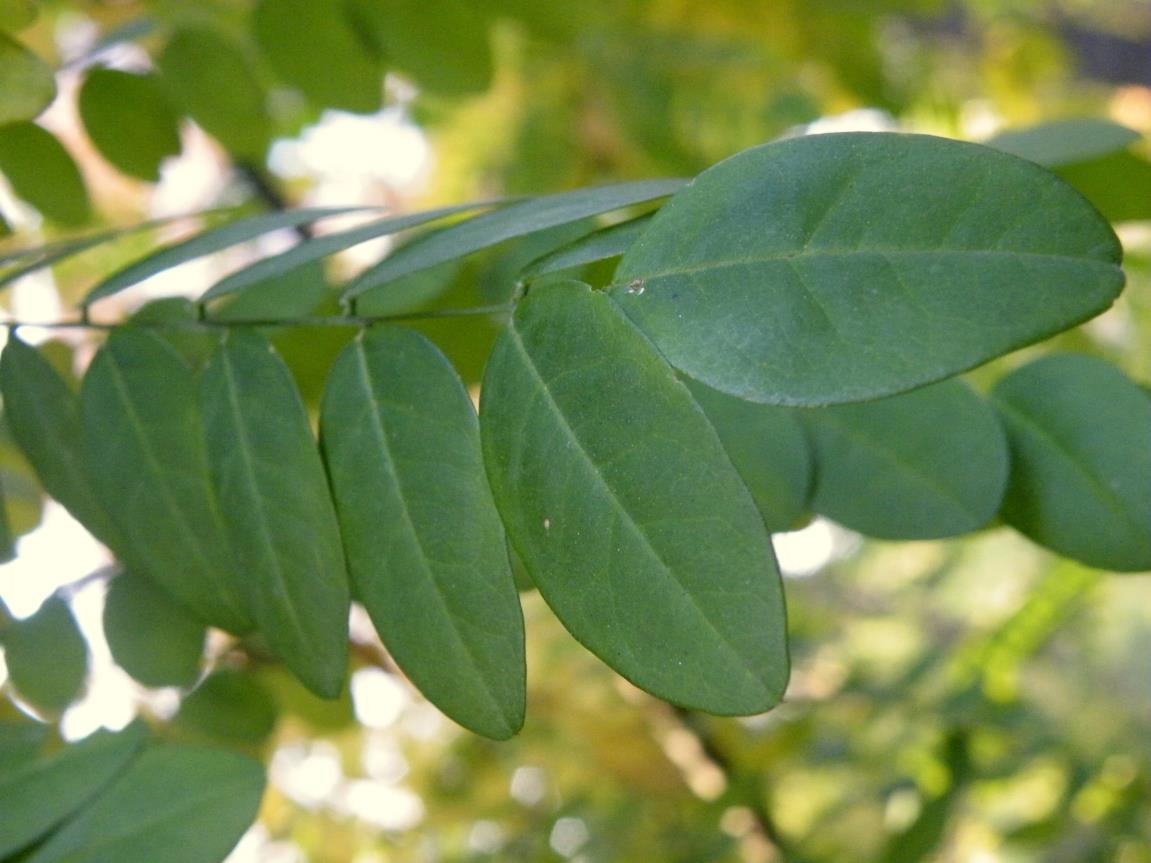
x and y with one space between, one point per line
976 700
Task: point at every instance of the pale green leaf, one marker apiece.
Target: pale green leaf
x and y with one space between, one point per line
838 268
43 173
175 803
314 46
1080 437
130 120
318 248
1064 142
46 655
929 463
43 415
39 793
516 220
212 79
206 243
600 245
768 448
277 509
150 635
426 548
147 461
27 84
619 498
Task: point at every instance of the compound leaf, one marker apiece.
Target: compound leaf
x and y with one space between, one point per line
625 509
772 277
277 509
426 548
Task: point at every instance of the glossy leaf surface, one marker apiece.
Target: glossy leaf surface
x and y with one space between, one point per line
768 448
46 655
147 461
43 173
516 220
929 463
771 277
426 548
1080 436
39 793
179 804
43 414
277 511
625 509
151 637
135 141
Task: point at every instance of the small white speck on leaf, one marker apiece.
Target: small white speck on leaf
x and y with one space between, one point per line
635 287
547 524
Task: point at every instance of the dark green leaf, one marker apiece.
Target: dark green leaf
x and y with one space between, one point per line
441 44
20 743
838 268
600 245
1080 437
47 657
229 706
277 509
175 803
27 84
925 464
205 243
1065 142
291 294
130 120
168 318
211 78
43 173
320 247
618 496
411 292
516 220
147 461
312 45
1118 184
43 415
39 793
425 546
7 538
151 637
767 447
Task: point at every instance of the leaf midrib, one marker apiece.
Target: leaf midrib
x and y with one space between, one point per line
626 516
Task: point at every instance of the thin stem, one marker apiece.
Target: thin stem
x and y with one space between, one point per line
304 322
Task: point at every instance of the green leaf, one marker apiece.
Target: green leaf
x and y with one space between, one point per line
38 794
43 415
176 803
292 294
1064 142
1118 184
925 464
426 548
768 448
600 245
147 461
441 44
278 512
230 706
625 509
312 45
207 242
7 537
320 247
43 173
516 220
170 319
151 637
46 656
130 120
212 79
27 83
322 714
17 14
1080 437
20 743
838 268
